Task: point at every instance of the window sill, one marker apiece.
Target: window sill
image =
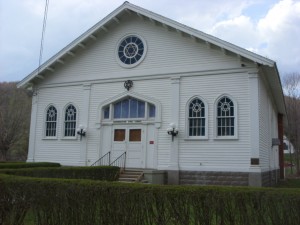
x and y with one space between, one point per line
69 138
50 138
226 138
196 138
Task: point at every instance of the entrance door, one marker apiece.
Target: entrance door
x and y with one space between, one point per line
129 139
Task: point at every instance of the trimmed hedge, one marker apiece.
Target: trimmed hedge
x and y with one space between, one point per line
70 202
21 165
108 173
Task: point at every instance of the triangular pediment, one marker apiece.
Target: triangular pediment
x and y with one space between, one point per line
116 18
127 11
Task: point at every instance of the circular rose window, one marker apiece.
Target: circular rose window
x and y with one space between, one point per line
131 50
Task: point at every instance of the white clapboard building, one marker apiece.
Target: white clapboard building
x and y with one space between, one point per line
178 101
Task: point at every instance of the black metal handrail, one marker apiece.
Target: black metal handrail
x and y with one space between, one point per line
103 161
120 162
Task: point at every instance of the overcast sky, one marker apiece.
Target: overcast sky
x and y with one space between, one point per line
270 28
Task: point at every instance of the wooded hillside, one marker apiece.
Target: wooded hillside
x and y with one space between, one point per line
15 111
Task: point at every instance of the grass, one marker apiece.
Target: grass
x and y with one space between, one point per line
290 183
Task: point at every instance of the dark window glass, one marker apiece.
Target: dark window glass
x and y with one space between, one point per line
196 118
129 108
130 50
225 117
51 120
70 121
151 110
106 112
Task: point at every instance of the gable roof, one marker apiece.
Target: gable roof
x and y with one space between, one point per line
102 26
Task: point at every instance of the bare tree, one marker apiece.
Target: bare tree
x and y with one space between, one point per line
291 87
14 120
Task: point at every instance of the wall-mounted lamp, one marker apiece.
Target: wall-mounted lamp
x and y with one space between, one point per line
172 130
81 131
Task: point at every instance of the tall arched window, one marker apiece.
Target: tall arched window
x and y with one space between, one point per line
225 117
196 118
51 121
70 121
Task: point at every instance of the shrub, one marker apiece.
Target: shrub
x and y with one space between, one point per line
77 202
21 165
108 173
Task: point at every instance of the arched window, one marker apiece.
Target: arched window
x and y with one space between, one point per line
70 121
225 117
196 118
129 108
51 121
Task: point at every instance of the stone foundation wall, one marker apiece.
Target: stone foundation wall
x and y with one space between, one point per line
213 178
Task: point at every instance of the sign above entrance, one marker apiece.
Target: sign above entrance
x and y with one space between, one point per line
128 84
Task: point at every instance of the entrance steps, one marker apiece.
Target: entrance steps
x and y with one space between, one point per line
132 176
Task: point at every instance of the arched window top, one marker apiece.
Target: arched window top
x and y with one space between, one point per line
51 113
225 107
196 120
226 117
129 108
196 108
106 109
70 113
51 121
70 121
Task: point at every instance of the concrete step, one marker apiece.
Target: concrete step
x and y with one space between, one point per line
131 175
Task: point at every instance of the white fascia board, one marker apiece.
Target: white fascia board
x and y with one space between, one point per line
72 45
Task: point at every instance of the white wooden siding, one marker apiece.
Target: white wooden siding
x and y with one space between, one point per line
64 151
156 89
212 154
168 52
268 129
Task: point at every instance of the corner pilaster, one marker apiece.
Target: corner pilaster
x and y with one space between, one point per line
173 170
85 122
34 111
255 169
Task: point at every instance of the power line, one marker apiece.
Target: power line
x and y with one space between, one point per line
43 35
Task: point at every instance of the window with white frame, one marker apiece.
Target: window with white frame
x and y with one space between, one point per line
196 118
70 121
225 117
129 109
51 121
